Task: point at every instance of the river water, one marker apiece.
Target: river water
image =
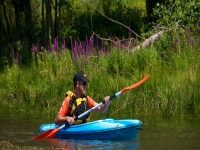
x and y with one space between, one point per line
157 134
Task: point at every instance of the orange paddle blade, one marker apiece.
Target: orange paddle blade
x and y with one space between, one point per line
136 84
47 134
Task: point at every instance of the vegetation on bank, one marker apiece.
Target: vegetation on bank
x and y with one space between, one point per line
38 22
172 62
172 89
5 145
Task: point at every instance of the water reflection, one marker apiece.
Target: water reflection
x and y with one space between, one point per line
132 144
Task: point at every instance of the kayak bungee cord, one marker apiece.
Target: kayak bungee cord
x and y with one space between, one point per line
51 132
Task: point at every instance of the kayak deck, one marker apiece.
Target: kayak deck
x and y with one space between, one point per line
98 130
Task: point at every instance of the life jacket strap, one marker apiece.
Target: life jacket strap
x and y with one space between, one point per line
74 103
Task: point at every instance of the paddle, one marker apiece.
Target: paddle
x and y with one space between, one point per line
51 133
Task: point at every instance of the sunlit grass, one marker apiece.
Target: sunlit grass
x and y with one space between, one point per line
171 90
81 4
167 92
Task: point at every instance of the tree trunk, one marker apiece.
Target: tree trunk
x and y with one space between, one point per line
29 21
149 41
43 24
47 20
16 9
51 23
2 29
59 16
6 17
56 19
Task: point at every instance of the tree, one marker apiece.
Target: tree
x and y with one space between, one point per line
150 4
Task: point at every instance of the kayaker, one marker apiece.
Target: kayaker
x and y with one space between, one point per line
77 102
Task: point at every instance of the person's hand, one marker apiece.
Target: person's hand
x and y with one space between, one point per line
107 102
70 120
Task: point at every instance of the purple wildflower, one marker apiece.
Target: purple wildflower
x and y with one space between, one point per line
33 49
13 55
64 45
55 44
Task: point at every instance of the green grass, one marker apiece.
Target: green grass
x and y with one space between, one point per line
82 3
172 88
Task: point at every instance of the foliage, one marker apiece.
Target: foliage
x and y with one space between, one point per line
40 22
89 20
180 21
172 62
171 90
177 12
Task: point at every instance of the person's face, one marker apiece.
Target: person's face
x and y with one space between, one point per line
82 86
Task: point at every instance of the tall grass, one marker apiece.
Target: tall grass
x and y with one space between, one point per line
171 90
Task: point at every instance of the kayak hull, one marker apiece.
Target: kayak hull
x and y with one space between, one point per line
105 129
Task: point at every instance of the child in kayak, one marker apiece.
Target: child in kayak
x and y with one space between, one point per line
77 102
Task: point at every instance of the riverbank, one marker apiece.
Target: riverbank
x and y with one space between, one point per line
171 90
5 145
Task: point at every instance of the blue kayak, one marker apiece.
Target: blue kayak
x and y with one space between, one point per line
105 129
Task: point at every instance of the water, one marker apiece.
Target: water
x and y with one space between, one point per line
157 133
183 134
